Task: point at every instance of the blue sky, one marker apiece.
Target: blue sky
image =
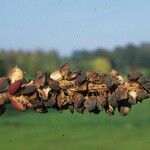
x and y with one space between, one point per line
73 24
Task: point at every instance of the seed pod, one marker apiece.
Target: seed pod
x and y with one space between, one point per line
4 84
2 109
14 87
15 74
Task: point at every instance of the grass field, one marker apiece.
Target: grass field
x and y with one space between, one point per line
64 131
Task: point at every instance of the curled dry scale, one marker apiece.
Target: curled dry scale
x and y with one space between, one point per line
63 89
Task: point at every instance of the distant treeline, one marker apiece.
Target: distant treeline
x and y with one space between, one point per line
123 59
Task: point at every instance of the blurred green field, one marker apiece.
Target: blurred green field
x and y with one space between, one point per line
64 131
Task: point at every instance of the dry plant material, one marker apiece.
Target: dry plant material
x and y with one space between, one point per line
63 89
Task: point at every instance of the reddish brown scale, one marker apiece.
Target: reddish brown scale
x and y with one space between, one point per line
14 87
17 105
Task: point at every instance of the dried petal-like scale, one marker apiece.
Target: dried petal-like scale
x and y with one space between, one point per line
78 100
56 75
109 81
141 95
42 95
147 86
122 92
41 79
113 99
132 99
61 99
110 110
14 87
30 89
51 101
134 76
142 80
93 87
64 70
92 76
73 75
101 102
118 79
4 98
46 90
78 87
17 105
38 104
54 85
15 74
4 84
80 79
90 103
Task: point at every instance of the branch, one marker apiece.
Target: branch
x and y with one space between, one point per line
63 89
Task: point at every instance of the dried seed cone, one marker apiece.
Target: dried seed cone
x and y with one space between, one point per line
63 89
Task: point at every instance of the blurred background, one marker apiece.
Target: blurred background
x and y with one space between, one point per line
90 35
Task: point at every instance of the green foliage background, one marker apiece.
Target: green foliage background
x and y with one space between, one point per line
64 131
